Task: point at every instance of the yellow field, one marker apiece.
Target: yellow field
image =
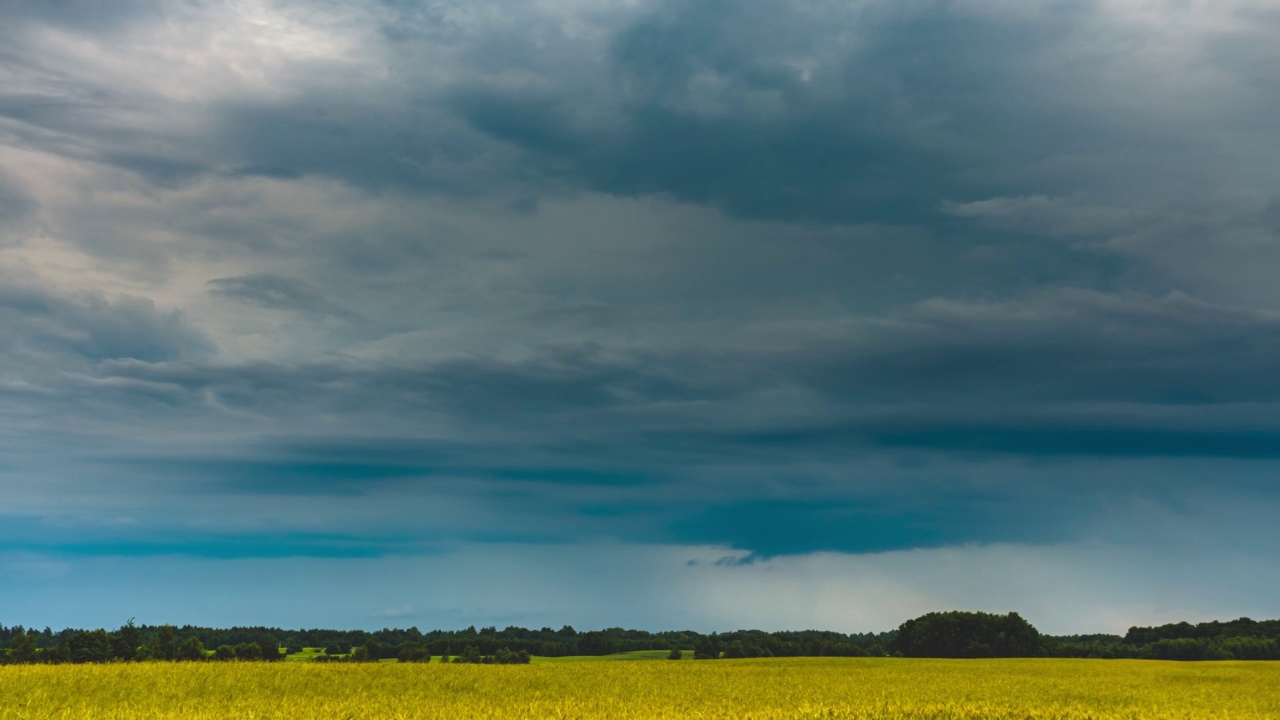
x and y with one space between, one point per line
738 689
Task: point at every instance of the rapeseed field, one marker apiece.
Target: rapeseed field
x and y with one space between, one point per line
770 689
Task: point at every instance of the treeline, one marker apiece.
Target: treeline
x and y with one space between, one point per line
979 635
128 644
485 645
804 643
947 634
375 651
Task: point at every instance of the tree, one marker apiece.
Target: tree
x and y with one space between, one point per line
1179 649
224 652
706 649
248 651
89 647
597 642
370 651
412 652
190 649
125 641
675 654
270 650
22 648
164 646
1251 648
507 656
59 653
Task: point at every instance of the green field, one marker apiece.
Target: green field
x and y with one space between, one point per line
627 656
309 654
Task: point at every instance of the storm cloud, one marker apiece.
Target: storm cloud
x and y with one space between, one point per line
802 285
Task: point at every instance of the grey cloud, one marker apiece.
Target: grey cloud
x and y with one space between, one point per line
324 135
14 202
562 386
1106 371
58 102
763 109
16 209
1270 215
282 293
83 14
93 327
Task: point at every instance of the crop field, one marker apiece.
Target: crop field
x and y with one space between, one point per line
738 689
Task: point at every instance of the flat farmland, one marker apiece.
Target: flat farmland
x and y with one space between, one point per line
765 689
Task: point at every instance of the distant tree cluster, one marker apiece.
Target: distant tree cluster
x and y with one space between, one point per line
968 635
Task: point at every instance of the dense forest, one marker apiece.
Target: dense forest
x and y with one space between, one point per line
950 634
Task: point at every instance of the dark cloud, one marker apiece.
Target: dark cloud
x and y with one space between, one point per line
829 113
874 524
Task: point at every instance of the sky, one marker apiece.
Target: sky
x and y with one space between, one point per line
642 313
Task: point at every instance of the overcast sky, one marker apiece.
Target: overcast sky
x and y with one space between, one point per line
643 313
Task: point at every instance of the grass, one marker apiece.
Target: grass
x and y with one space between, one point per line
765 689
626 656
307 655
